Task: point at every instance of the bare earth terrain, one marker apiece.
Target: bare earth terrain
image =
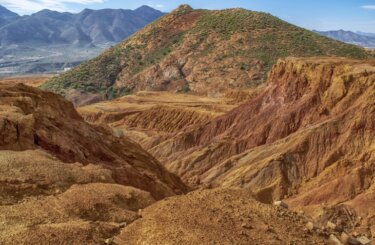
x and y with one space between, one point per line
198 129
65 181
33 81
149 117
306 137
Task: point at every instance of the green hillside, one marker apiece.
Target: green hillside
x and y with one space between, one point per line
200 51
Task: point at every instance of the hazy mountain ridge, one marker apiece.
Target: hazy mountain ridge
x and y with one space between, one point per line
7 14
86 27
366 40
366 33
49 41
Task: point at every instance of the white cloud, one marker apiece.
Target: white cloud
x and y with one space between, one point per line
28 6
372 7
155 5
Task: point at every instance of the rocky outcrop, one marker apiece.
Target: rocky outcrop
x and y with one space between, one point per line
31 119
303 142
45 201
151 117
308 137
64 181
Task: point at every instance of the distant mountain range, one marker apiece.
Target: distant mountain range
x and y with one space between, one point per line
363 39
7 14
366 34
31 41
86 27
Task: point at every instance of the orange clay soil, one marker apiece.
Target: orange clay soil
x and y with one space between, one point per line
64 181
33 81
307 137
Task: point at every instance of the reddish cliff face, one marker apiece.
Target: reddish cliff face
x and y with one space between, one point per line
309 136
31 119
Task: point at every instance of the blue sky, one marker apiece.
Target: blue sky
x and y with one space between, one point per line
355 15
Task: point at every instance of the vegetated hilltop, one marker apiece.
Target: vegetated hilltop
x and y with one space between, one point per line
206 52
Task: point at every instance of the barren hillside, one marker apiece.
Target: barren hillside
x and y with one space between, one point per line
307 137
64 181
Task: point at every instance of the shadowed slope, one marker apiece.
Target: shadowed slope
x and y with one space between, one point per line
64 181
32 119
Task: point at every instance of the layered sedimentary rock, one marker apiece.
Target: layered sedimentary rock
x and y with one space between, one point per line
308 137
67 182
152 117
32 119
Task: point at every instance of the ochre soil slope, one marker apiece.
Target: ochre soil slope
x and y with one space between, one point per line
201 51
308 137
46 201
64 181
32 119
151 117
222 216
33 81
